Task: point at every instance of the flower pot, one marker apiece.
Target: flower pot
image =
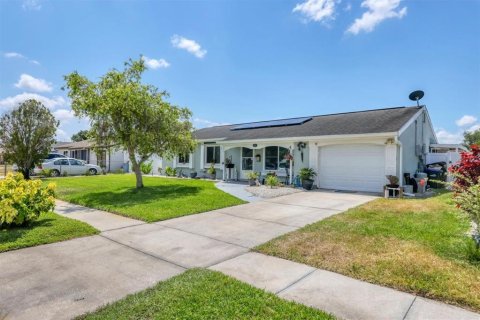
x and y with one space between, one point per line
252 182
193 175
230 165
307 184
212 176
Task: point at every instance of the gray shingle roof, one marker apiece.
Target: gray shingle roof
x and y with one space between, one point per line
360 122
85 144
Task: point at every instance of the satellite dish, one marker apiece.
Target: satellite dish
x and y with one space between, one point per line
416 96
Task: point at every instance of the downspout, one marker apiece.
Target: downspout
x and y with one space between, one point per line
400 165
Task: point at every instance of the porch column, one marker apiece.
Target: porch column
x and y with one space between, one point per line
391 161
202 157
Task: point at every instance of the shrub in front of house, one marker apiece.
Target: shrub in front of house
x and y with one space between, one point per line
46 173
22 201
170 172
146 167
467 170
272 181
212 171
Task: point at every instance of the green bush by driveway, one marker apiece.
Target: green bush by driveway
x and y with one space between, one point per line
49 227
160 199
204 294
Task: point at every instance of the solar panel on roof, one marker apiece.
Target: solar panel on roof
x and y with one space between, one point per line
272 123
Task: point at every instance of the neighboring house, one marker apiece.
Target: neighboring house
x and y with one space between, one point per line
111 159
349 151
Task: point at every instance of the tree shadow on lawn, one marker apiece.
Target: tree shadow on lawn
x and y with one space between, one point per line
133 196
14 233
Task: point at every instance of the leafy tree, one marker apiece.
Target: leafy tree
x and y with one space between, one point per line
470 138
125 113
27 134
80 136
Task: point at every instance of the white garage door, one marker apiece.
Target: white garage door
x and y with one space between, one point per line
352 167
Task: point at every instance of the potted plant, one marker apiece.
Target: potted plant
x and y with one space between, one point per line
392 183
212 171
252 178
306 176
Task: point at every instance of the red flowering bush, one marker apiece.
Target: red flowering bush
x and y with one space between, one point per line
467 170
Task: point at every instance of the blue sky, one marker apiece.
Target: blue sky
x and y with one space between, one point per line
241 61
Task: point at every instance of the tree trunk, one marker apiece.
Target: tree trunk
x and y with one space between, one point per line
138 175
26 174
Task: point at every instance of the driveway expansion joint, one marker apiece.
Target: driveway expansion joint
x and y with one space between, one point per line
410 307
201 235
125 227
296 281
251 219
145 253
302 206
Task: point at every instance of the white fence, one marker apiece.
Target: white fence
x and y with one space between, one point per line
449 157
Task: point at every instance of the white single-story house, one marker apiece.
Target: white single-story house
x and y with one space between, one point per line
349 151
111 160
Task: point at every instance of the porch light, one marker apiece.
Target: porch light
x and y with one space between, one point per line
258 158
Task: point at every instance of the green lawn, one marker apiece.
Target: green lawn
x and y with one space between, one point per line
204 294
417 246
160 199
50 227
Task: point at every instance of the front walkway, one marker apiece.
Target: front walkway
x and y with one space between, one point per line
66 279
237 189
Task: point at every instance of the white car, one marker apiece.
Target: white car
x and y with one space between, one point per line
71 166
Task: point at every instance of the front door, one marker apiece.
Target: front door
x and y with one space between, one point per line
246 163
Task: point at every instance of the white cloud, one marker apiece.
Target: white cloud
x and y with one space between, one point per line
190 45
62 135
475 127
155 63
377 11
16 55
348 7
203 123
13 55
64 115
317 10
28 82
31 5
51 103
466 120
445 136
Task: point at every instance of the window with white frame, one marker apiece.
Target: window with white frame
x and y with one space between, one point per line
212 155
184 158
275 158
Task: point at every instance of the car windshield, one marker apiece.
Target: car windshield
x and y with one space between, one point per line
54 155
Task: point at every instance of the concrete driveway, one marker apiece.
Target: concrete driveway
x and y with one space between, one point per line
62 280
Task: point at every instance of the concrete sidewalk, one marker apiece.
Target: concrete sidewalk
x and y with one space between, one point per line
100 220
342 296
65 279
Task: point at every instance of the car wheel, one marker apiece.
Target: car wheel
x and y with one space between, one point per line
93 172
55 173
